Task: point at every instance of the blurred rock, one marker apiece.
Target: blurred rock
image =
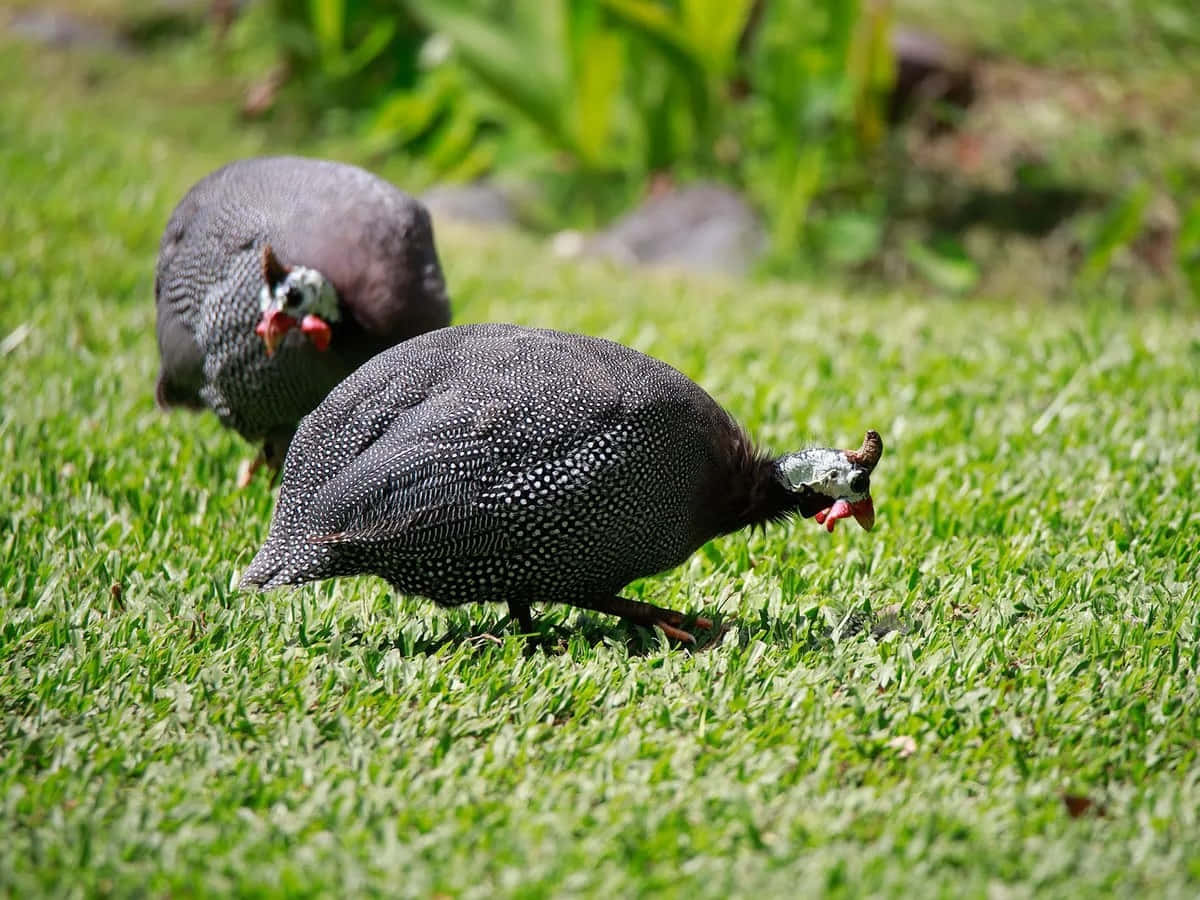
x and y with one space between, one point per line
479 203
701 227
62 30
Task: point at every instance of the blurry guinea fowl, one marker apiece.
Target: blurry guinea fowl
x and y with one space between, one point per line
277 277
494 463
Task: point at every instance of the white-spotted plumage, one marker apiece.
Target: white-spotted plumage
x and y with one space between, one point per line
496 463
342 235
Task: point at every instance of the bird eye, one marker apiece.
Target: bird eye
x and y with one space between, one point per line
293 297
860 483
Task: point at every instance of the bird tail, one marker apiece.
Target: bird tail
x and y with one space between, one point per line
261 574
273 567
168 394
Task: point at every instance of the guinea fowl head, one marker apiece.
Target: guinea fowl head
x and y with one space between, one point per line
295 297
832 484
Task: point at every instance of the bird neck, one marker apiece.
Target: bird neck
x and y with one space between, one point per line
754 491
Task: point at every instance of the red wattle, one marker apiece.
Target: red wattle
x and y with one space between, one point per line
864 513
839 510
318 331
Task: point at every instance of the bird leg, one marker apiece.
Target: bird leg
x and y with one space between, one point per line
247 469
647 614
519 613
272 455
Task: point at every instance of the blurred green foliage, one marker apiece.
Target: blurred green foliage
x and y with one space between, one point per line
593 97
786 100
346 51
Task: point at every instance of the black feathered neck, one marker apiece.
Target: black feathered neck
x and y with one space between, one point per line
751 492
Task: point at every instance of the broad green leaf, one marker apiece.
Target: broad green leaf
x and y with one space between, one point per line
1187 248
479 159
406 114
843 16
657 25
945 264
452 143
713 28
328 22
870 71
850 239
787 184
367 51
597 90
662 36
505 64
1117 228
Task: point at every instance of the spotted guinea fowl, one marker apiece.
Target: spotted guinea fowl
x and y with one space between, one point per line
495 463
277 277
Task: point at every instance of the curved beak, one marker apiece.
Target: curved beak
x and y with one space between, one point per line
272 328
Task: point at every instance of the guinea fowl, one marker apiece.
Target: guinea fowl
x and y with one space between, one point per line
496 463
277 277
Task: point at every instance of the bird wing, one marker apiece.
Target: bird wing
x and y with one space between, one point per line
416 489
433 483
415 499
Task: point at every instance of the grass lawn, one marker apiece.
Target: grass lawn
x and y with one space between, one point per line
1038 542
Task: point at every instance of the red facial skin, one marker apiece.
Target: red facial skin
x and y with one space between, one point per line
863 512
275 324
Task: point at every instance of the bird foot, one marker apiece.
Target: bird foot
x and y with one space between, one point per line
649 616
678 634
486 638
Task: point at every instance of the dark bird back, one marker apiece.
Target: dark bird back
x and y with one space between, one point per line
494 463
371 241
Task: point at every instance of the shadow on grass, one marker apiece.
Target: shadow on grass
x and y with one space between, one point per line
549 636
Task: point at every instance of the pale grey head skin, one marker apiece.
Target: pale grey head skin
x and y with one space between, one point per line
301 293
824 471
